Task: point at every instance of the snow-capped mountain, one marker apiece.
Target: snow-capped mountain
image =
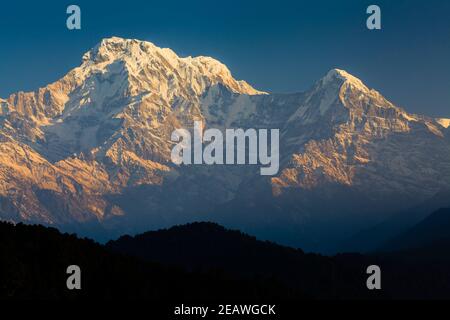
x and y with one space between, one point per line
94 147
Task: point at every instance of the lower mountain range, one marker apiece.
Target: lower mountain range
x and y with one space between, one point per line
90 153
208 263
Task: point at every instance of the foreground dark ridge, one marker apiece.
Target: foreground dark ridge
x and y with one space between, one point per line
420 271
204 261
33 262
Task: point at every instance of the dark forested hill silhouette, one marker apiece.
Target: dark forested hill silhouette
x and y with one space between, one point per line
34 259
206 262
206 246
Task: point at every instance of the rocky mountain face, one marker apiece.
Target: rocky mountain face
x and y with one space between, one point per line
94 148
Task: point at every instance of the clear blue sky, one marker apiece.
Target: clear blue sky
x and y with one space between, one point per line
277 46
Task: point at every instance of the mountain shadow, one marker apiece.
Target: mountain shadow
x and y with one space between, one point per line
433 230
372 239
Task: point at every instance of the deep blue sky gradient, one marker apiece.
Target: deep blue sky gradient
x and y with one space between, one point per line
277 46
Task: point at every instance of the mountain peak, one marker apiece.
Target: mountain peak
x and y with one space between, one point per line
115 47
143 59
343 76
96 146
